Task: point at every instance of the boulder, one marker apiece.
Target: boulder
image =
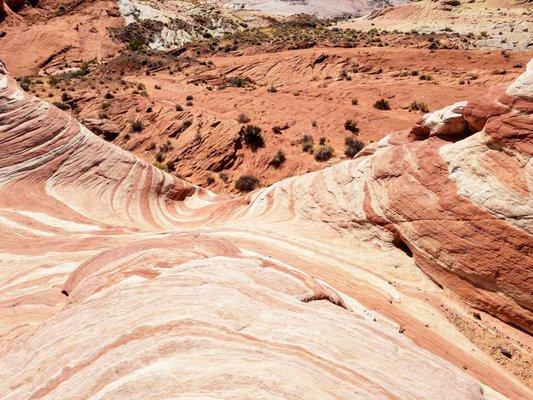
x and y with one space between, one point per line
447 122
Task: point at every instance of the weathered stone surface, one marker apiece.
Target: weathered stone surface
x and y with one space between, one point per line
447 123
120 281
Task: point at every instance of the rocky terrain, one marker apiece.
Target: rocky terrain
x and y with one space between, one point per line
119 279
227 200
496 24
316 93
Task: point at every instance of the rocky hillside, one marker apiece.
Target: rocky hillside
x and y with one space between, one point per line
399 274
495 24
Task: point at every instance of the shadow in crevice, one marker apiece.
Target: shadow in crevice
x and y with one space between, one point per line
401 245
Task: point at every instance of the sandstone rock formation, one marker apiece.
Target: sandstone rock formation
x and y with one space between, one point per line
120 281
447 123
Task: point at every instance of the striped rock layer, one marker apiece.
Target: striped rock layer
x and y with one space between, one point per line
120 281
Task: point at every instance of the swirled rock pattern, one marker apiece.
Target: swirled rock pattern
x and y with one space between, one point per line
119 281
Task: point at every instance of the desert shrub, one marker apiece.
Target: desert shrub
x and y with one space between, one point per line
160 166
278 159
243 118
157 87
353 146
65 96
109 96
324 153
137 126
136 45
82 71
103 115
210 180
166 147
308 143
355 101
425 77
382 104
160 156
351 125
322 141
179 107
419 106
252 136
53 80
189 98
171 166
246 183
61 105
239 81
272 89
483 33
25 84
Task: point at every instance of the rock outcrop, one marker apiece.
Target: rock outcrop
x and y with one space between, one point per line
120 281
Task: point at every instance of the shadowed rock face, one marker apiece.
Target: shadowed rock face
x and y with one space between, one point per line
120 281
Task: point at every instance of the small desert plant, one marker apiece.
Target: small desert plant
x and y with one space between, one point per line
109 96
166 147
179 107
425 77
243 118
308 144
160 166
137 126
171 166
353 146
82 71
61 105
246 183
351 125
239 81
355 101
136 45
418 106
324 153
272 89
382 104
252 136
25 84
65 96
278 159
189 98
53 80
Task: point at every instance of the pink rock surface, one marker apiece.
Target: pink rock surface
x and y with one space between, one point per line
120 281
